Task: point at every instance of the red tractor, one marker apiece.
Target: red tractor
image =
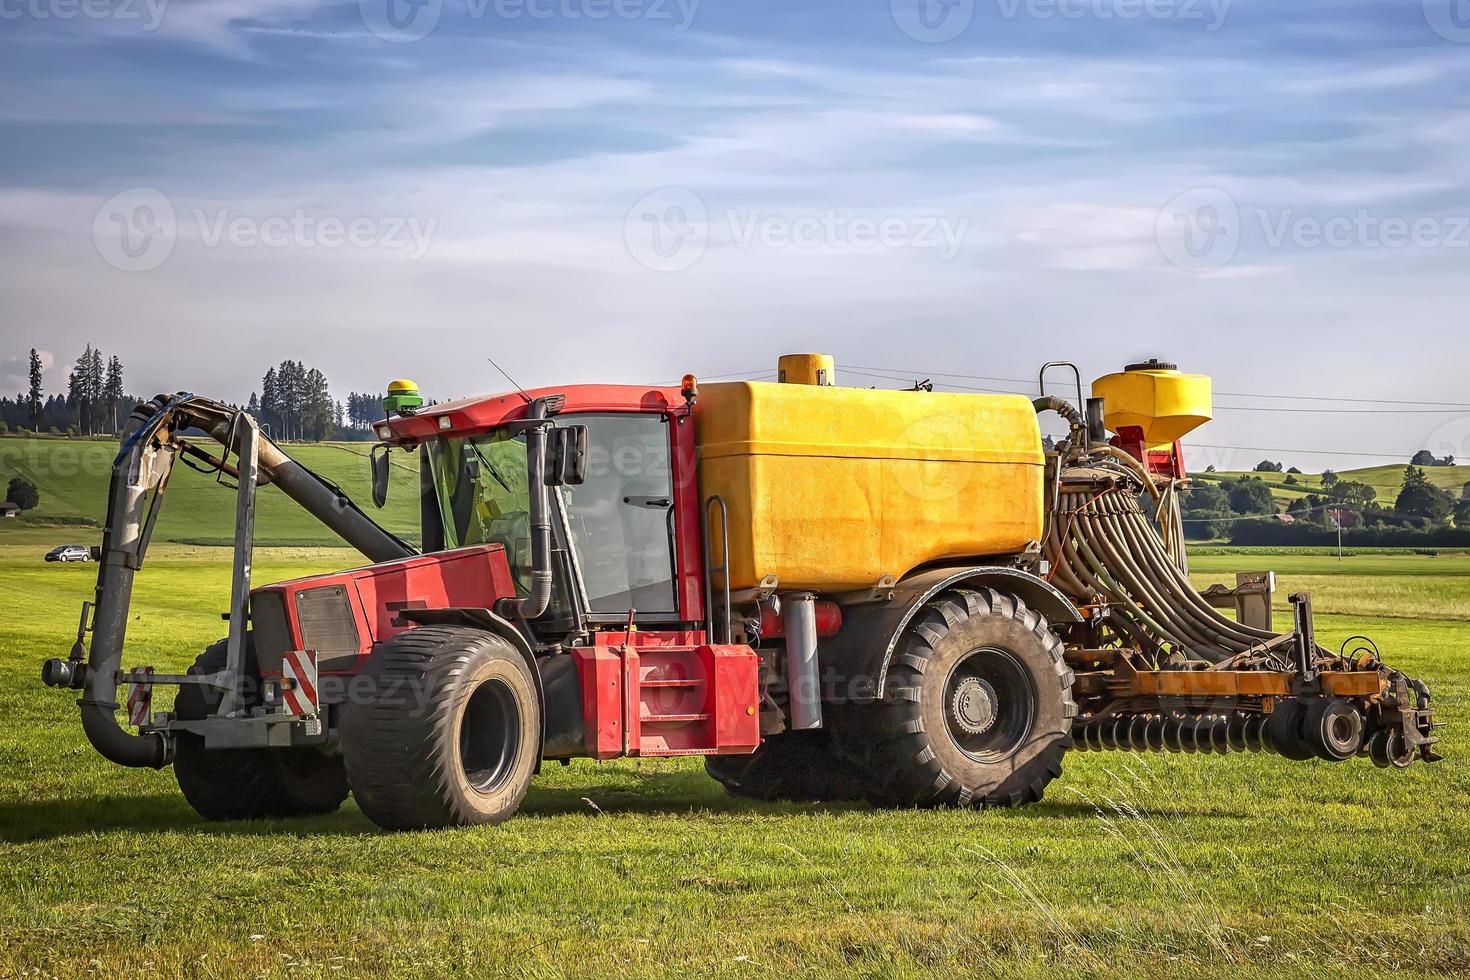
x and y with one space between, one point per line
827 593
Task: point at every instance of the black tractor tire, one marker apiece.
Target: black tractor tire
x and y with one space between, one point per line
249 784
450 733
977 709
800 767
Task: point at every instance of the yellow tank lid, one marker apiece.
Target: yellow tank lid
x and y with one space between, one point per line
1157 398
807 369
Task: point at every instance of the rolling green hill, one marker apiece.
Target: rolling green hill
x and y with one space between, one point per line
72 475
1384 479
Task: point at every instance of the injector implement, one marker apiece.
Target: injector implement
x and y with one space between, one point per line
825 592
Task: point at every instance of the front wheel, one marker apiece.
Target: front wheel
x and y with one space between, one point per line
977 708
248 784
449 735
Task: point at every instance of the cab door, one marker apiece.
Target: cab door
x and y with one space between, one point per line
622 517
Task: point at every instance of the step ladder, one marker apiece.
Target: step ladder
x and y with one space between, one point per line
652 700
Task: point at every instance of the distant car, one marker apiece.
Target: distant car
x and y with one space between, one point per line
69 552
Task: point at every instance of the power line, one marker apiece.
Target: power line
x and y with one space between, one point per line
1403 457
1344 411
1032 383
868 373
921 376
898 376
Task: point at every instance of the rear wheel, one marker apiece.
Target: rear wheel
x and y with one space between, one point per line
799 766
450 735
248 784
977 709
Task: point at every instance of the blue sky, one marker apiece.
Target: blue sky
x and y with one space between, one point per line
1273 193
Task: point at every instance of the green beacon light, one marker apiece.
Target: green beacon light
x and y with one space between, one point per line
403 398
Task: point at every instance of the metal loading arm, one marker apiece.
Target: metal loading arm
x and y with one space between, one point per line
140 473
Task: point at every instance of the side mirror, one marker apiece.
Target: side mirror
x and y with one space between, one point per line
568 456
380 464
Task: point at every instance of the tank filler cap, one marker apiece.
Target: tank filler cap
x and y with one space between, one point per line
1152 364
807 369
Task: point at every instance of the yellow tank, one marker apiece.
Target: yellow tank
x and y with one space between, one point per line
1158 399
831 489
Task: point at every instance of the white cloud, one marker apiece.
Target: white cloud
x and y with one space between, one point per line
1059 162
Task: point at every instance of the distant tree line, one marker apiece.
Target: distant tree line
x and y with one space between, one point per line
95 402
294 401
1240 508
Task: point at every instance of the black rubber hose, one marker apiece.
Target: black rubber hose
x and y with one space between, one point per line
1120 594
1064 408
1110 548
1219 632
1115 551
1138 552
1169 574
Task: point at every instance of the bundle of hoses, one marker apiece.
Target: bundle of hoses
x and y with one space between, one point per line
1106 551
1102 546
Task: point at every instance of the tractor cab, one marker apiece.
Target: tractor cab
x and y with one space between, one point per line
612 468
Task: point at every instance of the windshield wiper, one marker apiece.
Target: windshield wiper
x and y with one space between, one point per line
491 467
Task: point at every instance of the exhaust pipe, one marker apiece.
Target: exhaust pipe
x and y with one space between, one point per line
803 676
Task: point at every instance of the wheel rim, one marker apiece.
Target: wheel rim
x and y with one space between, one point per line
490 736
989 704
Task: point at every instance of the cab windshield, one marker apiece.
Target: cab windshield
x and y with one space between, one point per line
619 522
483 494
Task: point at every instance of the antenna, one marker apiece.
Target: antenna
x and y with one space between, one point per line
510 379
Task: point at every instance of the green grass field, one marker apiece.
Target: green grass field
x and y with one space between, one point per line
1137 864
72 476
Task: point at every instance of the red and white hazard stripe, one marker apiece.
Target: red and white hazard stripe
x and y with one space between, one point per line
298 681
140 696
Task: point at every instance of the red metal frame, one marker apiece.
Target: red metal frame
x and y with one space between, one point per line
1164 462
471 577
477 415
656 697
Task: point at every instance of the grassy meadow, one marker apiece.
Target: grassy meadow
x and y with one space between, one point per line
1150 865
72 477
